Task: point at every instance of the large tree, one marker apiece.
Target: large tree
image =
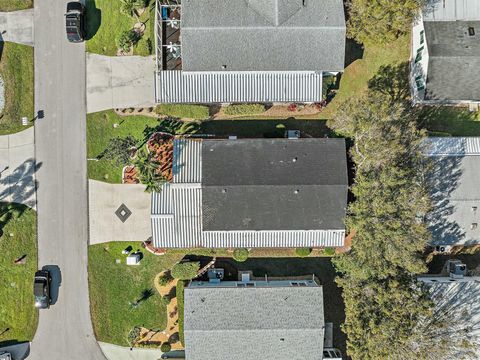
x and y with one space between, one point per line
381 21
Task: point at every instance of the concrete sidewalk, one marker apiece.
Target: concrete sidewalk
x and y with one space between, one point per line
119 82
115 352
17 167
105 212
17 26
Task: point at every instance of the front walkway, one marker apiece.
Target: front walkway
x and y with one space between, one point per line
109 220
17 168
115 352
119 82
17 26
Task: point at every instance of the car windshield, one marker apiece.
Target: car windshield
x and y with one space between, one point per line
38 288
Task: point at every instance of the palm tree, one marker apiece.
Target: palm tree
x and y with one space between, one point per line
149 172
129 7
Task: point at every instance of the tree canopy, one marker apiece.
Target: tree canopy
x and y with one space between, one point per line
381 21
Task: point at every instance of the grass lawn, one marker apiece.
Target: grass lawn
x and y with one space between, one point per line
184 111
100 130
354 80
16 69
113 287
12 5
105 22
17 311
454 121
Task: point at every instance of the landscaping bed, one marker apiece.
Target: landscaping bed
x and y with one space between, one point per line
184 111
161 146
16 70
17 241
100 129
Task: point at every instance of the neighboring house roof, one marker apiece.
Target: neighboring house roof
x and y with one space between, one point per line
459 302
451 10
280 323
176 86
454 60
263 35
252 193
453 185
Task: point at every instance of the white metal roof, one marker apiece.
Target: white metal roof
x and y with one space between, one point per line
451 10
452 146
177 214
175 86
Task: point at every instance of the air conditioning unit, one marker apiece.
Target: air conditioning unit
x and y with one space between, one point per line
456 269
443 248
293 134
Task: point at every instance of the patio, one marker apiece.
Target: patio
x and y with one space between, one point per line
168 36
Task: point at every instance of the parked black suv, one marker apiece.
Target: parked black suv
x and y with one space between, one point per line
74 21
41 289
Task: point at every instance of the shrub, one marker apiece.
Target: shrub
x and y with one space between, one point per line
244 109
303 252
166 299
186 270
188 111
127 39
240 255
119 150
166 347
329 251
165 280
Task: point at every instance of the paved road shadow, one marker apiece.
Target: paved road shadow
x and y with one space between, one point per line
56 275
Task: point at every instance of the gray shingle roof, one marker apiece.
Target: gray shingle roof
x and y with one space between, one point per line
454 60
263 35
274 184
250 323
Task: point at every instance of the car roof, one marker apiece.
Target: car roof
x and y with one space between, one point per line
39 288
74 5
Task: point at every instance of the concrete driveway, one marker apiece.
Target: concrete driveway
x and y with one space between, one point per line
17 26
118 212
17 167
119 82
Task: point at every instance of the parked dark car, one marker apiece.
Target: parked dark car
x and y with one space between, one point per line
41 289
75 21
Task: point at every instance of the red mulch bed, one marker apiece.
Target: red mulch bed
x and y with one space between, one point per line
161 146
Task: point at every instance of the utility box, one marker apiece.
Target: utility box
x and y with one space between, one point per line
133 259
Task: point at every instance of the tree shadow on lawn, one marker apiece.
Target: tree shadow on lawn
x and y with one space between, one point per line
93 19
322 268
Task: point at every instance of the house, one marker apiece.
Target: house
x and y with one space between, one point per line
231 51
455 293
256 319
455 191
253 193
446 53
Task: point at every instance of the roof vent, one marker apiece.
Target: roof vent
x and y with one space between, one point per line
473 226
295 159
474 208
296 191
471 31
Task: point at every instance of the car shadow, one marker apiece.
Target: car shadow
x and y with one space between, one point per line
56 275
93 19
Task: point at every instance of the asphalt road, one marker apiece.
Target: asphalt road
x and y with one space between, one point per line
65 330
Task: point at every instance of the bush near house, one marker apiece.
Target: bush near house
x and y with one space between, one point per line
166 347
240 255
165 280
181 308
303 252
244 109
184 111
186 270
329 251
